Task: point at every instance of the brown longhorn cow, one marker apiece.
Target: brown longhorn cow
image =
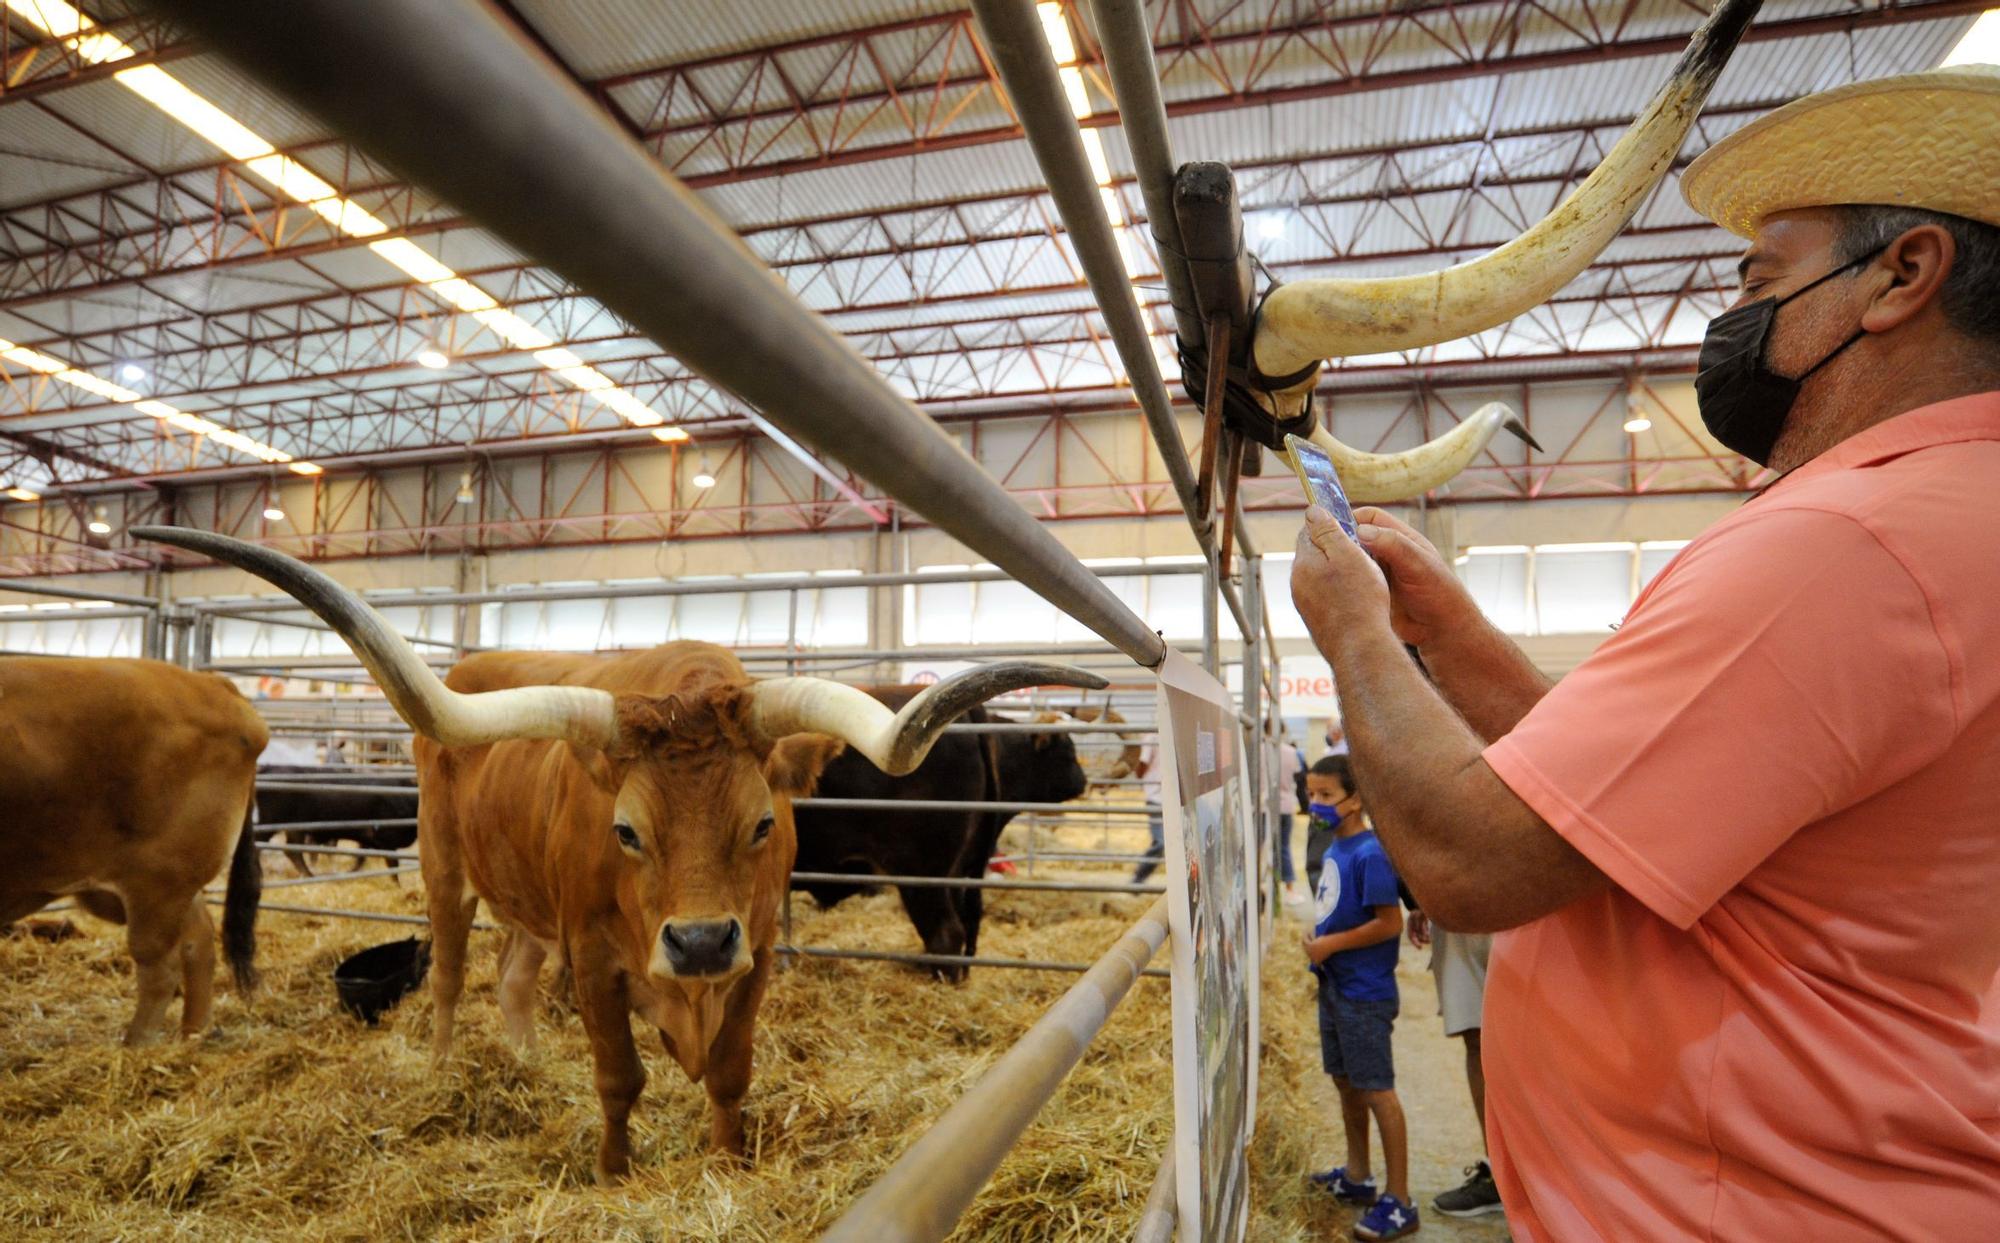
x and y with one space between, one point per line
126 783
630 814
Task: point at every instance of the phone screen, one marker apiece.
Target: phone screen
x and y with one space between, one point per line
1321 483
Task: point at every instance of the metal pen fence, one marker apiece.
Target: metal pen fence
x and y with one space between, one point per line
606 216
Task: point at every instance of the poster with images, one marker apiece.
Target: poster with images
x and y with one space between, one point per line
1211 904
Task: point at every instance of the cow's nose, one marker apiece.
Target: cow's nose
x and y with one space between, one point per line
701 947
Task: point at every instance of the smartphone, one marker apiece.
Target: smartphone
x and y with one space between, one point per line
1322 484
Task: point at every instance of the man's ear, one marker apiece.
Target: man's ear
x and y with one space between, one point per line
794 765
1919 262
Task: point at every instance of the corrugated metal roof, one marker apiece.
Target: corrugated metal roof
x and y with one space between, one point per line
599 38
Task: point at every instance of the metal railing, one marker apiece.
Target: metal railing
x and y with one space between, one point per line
556 179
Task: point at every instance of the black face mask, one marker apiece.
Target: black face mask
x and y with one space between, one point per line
1744 403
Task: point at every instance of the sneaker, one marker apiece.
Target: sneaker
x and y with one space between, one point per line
1344 1189
1387 1218
1476 1197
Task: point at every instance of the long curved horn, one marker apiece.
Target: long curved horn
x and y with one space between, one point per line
1377 478
580 714
898 742
1309 320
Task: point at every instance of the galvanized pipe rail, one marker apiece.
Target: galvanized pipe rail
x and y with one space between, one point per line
1020 51
944 960
705 587
29 587
341 787
359 852
923 1194
968 882
332 826
952 804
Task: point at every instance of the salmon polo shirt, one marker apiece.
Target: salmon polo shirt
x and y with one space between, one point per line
1782 1023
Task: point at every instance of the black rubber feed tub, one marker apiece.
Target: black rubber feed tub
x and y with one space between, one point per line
372 982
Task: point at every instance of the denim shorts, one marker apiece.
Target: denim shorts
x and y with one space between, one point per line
1354 1039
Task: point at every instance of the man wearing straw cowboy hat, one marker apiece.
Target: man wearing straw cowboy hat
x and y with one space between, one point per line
1749 852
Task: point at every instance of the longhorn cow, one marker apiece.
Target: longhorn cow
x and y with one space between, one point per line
630 814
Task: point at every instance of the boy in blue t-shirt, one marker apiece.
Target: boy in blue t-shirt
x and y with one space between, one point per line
1352 948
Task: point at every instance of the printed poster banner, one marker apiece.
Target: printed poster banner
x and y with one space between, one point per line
1211 907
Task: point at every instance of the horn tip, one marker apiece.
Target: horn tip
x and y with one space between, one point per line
1514 424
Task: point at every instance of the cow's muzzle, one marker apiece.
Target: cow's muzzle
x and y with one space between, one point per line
702 947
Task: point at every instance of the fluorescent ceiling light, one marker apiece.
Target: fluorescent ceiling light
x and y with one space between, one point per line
295 181
1055 28
1981 44
98 386
24 494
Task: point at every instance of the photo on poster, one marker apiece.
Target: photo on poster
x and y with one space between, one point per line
1211 896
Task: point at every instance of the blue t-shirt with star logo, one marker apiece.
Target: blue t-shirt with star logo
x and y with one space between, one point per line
1355 877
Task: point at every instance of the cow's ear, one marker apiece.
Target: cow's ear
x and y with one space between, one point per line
1044 741
794 765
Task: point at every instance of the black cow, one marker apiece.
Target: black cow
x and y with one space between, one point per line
1016 768
276 808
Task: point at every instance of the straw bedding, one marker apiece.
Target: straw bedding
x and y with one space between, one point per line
293 1120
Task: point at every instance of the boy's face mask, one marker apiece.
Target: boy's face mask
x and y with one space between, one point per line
1329 812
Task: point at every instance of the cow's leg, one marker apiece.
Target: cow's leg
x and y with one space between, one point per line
451 911
520 972
607 1021
301 859
197 963
153 931
728 1078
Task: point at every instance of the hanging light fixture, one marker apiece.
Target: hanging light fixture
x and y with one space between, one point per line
131 373
465 496
272 511
433 357
1636 418
99 523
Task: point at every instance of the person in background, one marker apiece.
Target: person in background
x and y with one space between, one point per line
1330 799
1291 784
1148 771
1458 964
1352 949
1336 738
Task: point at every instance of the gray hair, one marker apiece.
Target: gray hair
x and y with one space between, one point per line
1971 293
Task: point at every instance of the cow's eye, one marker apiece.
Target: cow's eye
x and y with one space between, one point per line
627 836
763 829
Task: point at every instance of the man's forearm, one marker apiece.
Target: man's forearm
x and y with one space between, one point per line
1408 748
1484 676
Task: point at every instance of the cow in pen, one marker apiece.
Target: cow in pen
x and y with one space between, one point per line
127 782
1015 768
370 815
630 814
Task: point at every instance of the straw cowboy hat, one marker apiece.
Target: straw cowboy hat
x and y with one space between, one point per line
1927 140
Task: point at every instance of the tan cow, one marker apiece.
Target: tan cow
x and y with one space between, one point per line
126 783
630 814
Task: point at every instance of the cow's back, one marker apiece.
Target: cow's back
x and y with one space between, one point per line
95 754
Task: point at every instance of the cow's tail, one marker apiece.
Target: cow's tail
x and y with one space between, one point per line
244 892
